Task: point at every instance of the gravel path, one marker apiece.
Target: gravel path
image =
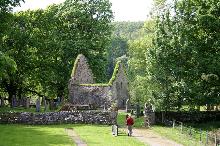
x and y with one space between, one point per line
149 137
76 139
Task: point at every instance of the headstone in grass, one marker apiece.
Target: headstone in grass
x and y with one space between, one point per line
149 115
14 101
105 106
127 105
27 104
38 105
22 101
52 105
44 102
45 106
115 130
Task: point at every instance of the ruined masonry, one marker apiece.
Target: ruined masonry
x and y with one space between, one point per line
83 90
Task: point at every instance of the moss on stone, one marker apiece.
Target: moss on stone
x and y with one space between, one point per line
75 64
95 85
114 73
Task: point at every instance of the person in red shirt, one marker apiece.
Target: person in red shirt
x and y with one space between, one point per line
129 123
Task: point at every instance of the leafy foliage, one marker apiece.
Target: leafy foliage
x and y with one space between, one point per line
186 48
114 73
44 44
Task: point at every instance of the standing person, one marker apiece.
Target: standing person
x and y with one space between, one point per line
129 122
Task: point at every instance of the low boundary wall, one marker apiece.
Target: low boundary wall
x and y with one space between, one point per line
62 117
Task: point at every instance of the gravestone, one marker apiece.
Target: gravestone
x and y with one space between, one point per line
51 104
115 130
38 105
44 102
149 115
127 105
27 104
19 102
14 101
22 102
105 106
45 106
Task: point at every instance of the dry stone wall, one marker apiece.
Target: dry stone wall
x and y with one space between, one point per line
87 117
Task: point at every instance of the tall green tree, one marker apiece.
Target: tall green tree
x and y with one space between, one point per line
138 63
78 27
45 43
8 65
118 48
186 55
16 44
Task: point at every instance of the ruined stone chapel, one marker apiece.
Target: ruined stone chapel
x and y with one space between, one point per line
84 91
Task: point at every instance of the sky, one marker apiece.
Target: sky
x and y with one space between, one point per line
124 10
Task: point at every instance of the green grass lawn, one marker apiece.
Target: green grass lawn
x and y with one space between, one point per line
54 135
23 135
96 135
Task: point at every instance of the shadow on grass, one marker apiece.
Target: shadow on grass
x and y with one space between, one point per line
122 134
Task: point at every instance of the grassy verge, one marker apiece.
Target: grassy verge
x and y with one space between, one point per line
54 135
175 135
96 135
191 134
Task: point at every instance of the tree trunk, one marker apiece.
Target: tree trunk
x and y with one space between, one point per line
11 88
60 94
10 96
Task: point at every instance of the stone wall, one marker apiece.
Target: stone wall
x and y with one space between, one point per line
83 91
87 117
81 73
120 91
96 96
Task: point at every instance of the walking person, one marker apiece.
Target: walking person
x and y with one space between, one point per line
129 123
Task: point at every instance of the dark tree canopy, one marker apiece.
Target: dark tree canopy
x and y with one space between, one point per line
44 44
